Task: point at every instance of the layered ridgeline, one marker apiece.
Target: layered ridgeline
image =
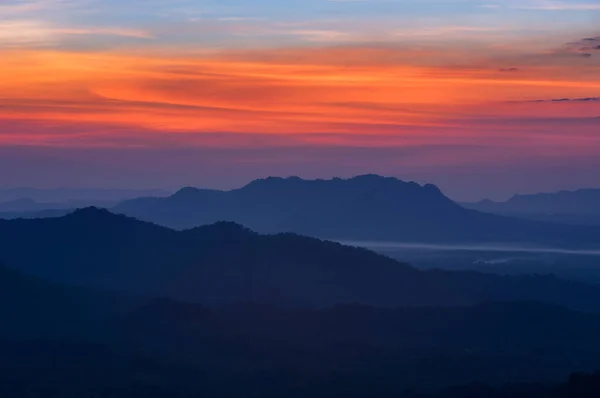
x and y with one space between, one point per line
574 207
66 341
72 342
227 263
370 208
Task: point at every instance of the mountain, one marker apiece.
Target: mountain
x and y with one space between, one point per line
219 263
365 208
227 263
574 207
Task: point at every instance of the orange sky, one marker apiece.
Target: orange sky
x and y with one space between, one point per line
312 92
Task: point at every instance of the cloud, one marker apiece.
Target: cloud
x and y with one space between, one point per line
581 48
585 45
28 8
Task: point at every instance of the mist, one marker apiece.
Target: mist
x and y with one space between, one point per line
499 247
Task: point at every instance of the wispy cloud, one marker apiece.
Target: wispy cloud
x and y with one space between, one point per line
543 5
37 8
47 22
35 33
549 5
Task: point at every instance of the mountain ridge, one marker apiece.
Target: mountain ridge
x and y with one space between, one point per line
368 207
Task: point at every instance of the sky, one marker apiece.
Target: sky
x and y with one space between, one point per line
483 98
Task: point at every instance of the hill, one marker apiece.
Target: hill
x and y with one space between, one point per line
368 208
227 263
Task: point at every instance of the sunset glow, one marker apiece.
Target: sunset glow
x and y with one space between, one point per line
71 78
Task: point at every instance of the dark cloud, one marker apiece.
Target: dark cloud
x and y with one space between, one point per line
509 69
589 99
586 99
584 47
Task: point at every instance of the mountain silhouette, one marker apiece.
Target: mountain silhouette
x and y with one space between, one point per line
574 207
228 263
368 208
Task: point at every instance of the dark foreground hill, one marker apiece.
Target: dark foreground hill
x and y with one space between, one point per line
226 263
32 307
70 342
368 207
59 341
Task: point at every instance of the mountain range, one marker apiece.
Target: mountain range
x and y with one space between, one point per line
226 263
364 208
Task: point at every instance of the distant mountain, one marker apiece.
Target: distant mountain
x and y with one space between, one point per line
87 195
36 214
26 205
226 263
370 208
572 207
